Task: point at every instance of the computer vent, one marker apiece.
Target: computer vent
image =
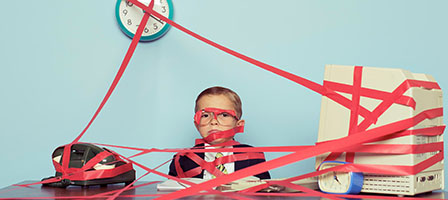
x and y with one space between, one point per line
386 184
403 185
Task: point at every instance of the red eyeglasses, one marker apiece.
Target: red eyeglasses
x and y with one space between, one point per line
224 117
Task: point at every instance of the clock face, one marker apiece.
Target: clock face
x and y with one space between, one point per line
339 182
129 17
334 182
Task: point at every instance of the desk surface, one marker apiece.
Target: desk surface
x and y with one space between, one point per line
76 192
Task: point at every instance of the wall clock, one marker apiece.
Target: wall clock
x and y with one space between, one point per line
129 16
339 182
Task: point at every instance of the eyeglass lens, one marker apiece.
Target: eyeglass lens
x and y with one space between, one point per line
223 118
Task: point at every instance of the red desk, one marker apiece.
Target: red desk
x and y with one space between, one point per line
76 192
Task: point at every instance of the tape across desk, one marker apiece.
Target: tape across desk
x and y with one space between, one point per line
358 135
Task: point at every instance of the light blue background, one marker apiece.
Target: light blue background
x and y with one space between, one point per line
58 59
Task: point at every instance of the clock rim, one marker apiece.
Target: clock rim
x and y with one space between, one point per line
148 38
356 180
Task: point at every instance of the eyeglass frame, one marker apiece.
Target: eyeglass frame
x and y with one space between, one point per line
216 112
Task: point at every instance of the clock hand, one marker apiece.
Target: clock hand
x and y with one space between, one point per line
160 21
335 177
157 19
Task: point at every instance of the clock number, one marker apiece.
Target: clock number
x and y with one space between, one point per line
155 26
146 30
125 12
129 4
163 9
129 22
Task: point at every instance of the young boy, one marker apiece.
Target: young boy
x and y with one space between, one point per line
217 118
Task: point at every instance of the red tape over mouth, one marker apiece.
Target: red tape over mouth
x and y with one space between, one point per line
221 134
358 135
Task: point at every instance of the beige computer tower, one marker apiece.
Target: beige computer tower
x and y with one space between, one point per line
334 124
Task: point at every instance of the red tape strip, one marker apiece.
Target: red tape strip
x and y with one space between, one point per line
358 135
340 144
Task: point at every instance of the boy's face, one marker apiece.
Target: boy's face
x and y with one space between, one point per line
221 102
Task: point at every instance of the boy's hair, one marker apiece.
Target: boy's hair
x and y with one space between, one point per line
233 97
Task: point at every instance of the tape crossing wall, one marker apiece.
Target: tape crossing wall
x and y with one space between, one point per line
368 122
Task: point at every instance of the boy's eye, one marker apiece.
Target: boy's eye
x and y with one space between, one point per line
205 115
224 114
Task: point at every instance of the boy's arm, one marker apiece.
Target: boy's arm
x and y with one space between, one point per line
247 163
186 164
172 171
264 175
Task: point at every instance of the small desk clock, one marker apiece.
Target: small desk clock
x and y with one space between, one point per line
339 182
129 17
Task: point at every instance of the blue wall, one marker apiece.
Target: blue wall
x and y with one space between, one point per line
58 59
